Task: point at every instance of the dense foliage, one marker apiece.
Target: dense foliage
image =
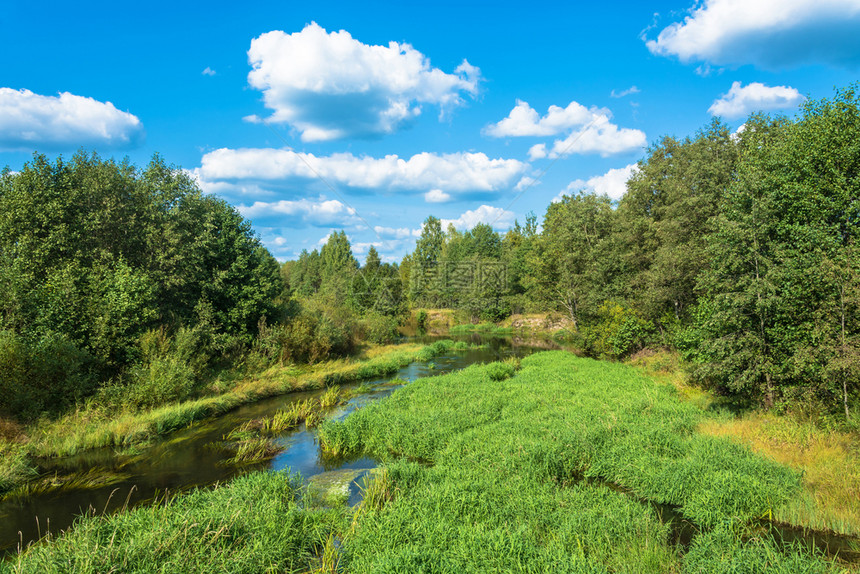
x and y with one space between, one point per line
739 249
113 273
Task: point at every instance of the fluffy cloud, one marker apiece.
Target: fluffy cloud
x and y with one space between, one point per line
436 196
590 130
742 100
495 216
319 213
771 33
396 233
330 85
458 172
612 183
525 121
28 120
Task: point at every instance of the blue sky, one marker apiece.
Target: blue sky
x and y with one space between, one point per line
370 116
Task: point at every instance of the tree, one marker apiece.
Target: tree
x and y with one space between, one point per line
338 265
666 217
567 262
424 279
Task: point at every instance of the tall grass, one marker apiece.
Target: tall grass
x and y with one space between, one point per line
88 428
15 467
828 460
254 524
497 478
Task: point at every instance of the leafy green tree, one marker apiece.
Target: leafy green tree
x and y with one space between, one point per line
568 260
666 217
426 259
338 265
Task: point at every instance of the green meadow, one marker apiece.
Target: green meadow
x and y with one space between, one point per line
552 464
558 468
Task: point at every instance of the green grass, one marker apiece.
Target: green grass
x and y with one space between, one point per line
253 450
508 474
254 524
828 459
15 466
479 475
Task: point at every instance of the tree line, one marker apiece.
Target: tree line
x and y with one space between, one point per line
131 287
738 249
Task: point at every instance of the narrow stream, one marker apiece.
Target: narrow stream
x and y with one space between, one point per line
190 457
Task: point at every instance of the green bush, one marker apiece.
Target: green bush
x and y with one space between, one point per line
619 331
169 371
42 377
379 328
500 371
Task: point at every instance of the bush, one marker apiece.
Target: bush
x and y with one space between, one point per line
379 328
169 370
500 371
619 331
42 377
314 332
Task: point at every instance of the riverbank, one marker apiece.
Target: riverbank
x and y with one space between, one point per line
94 427
567 464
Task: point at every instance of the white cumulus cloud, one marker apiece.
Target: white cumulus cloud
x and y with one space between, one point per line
29 120
329 85
436 196
742 100
496 216
590 130
525 121
318 213
612 183
770 33
445 173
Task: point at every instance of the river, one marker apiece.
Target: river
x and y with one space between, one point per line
191 457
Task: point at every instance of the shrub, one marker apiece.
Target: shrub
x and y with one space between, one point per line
500 371
379 328
46 376
619 331
170 367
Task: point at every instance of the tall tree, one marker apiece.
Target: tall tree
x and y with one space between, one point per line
426 263
666 216
568 261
